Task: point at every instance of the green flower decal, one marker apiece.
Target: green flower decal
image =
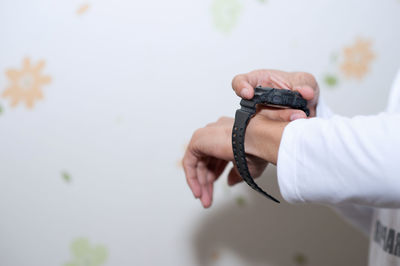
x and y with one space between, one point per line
240 201
66 176
300 259
225 14
1 109
331 80
85 254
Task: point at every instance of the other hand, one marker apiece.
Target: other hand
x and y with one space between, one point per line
304 83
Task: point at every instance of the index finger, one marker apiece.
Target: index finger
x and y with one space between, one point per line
189 163
244 84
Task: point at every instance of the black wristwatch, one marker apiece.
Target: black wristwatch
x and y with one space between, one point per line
278 98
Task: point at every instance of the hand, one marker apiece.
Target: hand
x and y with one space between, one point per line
210 150
302 82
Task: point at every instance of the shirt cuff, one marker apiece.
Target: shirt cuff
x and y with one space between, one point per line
288 156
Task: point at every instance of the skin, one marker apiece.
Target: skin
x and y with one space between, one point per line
210 148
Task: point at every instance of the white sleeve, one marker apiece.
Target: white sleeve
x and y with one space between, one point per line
358 216
342 160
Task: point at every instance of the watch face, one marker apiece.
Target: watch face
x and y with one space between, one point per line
279 98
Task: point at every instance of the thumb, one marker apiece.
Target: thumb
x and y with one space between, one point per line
305 91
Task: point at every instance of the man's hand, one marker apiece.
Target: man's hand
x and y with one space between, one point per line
210 150
302 82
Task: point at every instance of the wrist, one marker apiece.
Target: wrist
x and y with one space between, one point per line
263 138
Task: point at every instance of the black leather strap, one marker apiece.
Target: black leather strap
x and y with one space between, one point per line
242 118
267 96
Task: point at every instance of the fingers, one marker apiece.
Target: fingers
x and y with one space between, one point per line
202 175
279 82
190 167
242 86
304 83
214 169
306 91
206 157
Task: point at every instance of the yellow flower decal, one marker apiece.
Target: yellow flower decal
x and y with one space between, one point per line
82 9
357 59
26 84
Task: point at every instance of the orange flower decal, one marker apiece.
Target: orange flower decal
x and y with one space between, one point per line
26 83
82 9
357 59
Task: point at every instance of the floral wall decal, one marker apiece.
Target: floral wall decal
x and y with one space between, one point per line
66 176
240 201
357 59
331 80
26 83
82 9
353 62
300 259
85 254
225 14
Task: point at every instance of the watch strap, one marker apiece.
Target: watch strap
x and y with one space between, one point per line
242 118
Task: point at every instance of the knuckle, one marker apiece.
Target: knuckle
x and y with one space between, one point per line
237 82
196 135
210 124
236 78
306 78
307 75
223 119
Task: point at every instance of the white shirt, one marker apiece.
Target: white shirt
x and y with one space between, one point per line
352 164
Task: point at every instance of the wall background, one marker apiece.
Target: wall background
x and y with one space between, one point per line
99 98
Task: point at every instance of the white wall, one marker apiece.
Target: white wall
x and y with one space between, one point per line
91 172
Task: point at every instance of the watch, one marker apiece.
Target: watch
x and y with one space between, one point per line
278 98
